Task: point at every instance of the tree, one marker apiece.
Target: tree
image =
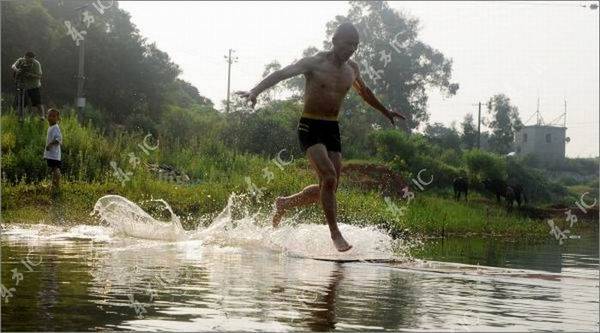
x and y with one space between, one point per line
129 81
505 122
468 136
446 137
483 164
186 95
272 93
397 65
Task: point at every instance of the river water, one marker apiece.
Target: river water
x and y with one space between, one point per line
136 273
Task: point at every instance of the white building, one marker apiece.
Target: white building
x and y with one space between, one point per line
546 142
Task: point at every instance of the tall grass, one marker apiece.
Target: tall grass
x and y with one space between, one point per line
216 171
86 153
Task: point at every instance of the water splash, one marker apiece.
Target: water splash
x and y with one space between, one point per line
237 226
127 218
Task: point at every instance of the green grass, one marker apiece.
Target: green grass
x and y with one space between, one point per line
429 214
440 216
216 171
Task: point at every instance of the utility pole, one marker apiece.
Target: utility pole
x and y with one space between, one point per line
80 99
80 80
230 60
479 127
565 118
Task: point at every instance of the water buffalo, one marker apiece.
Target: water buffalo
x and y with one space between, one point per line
512 192
460 185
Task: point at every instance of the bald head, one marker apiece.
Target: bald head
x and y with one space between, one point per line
346 30
345 41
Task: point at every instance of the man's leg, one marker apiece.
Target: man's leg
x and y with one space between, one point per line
336 159
309 195
40 107
19 97
38 110
36 101
328 185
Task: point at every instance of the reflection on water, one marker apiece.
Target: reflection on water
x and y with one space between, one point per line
91 280
579 254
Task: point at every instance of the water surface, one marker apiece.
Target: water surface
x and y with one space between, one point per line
240 275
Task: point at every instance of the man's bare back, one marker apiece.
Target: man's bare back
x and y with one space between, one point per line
329 76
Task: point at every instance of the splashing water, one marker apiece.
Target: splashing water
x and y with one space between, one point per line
127 218
294 237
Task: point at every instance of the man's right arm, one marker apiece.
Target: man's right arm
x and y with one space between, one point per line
14 66
302 66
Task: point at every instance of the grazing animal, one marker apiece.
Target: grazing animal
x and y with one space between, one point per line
511 193
460 185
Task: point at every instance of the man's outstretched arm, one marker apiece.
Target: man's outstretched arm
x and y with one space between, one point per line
15 66
300 67
367 95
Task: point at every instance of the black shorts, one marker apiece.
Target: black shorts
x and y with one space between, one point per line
313 131
34 96
53 163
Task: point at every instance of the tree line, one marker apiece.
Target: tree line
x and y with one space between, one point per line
129 81
133 85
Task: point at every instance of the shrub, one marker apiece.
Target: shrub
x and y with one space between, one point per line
482 165
387 144
537 187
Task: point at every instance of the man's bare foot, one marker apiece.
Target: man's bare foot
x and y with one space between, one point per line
278 214
340 243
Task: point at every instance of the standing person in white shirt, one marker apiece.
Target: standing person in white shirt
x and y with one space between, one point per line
52 152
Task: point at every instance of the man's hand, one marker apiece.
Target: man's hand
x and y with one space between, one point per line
392 114
248 95
48 146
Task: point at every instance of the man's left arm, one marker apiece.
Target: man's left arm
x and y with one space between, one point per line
15 66
368 96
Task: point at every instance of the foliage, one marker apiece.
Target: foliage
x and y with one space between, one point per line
468 136
536 185
142 78
86 152
505 122
446 137
411 65
482 165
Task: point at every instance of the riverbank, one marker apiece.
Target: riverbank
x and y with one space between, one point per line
196 174
430 214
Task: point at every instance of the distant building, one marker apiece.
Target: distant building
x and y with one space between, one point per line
546 142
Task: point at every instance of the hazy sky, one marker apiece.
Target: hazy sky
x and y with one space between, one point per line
520 48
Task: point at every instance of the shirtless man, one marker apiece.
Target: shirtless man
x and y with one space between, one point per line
329 76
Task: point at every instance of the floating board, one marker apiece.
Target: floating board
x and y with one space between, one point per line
371 260
440 267
450 268
341 258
